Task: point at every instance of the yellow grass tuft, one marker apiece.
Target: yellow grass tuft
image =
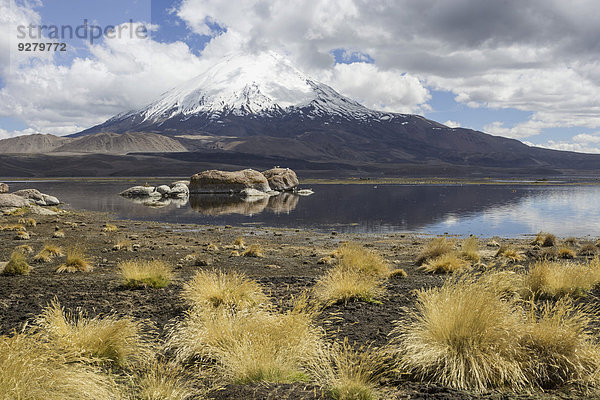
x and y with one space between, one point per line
571 241
17 212
48 253
342 285
22 235
549 240
32 369
124 244
144 273
254 250
211 289
566 253
398 273
110 228
212 247
76 261
13 227
434 249
17 265
58 234
239 243
510 254
31 222
25 248
447 263
353 256
117 341
250 345
555 279
588 249
469 249
162 381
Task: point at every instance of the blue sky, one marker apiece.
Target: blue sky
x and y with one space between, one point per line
510 76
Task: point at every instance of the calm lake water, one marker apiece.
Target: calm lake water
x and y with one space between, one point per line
506 210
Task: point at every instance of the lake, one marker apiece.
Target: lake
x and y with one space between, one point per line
504 209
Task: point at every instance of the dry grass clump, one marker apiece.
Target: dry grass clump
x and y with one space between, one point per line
504 283
461 335
588 249
48 253
359 275
25 248
77 261
17 212
13 227
566 253
32 369
145 273
117 341
447 263
156 380
254 250
352 373
31 222
555 279
212 247
549 240
123 244
239 243
571 241
22 235
58 234
469 249
110 228
559 345
17 265
251 344
510 254
398 273
212 289
434 249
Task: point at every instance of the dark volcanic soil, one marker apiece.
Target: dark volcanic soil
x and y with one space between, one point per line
290 266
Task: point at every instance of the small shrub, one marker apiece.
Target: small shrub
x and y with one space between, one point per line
253 251
469 249
554 279
76 261
144 273
223 289
110 228
539 239
434 249
447 263
549 240
17 265
118 341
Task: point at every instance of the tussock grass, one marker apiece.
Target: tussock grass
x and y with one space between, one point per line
22 235
549 240
251 344
559 345
446 263
588 249
461 335
25 248
504 283
469 249
17 264
112 340
13 227
342 285
32 369
31 222
48 253
212 289
352 373
77 261
434 249
58 234
566 253
359 275
510 254
156 380
123 244
110 228
212 247
571 241
239 243
254 250
557 279
145 273
398 273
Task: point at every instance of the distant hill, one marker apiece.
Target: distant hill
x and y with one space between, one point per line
37 143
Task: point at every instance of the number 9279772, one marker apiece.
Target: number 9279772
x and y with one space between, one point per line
50 46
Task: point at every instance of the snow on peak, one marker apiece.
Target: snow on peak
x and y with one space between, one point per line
252 84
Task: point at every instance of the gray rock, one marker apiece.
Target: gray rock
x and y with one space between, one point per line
163 189
30 194
281 179
50 200
140 191
186 183
215 181
3 188
179 190
254 193
12 201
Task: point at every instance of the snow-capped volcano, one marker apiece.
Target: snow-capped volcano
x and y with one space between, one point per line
264 85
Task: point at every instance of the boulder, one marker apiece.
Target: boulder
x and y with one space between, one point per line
3 188
12 201
30 194
140 191
215 181
281 179
163 189
179 190
50 200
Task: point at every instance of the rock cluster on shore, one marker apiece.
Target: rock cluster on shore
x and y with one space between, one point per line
177 190
25 198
